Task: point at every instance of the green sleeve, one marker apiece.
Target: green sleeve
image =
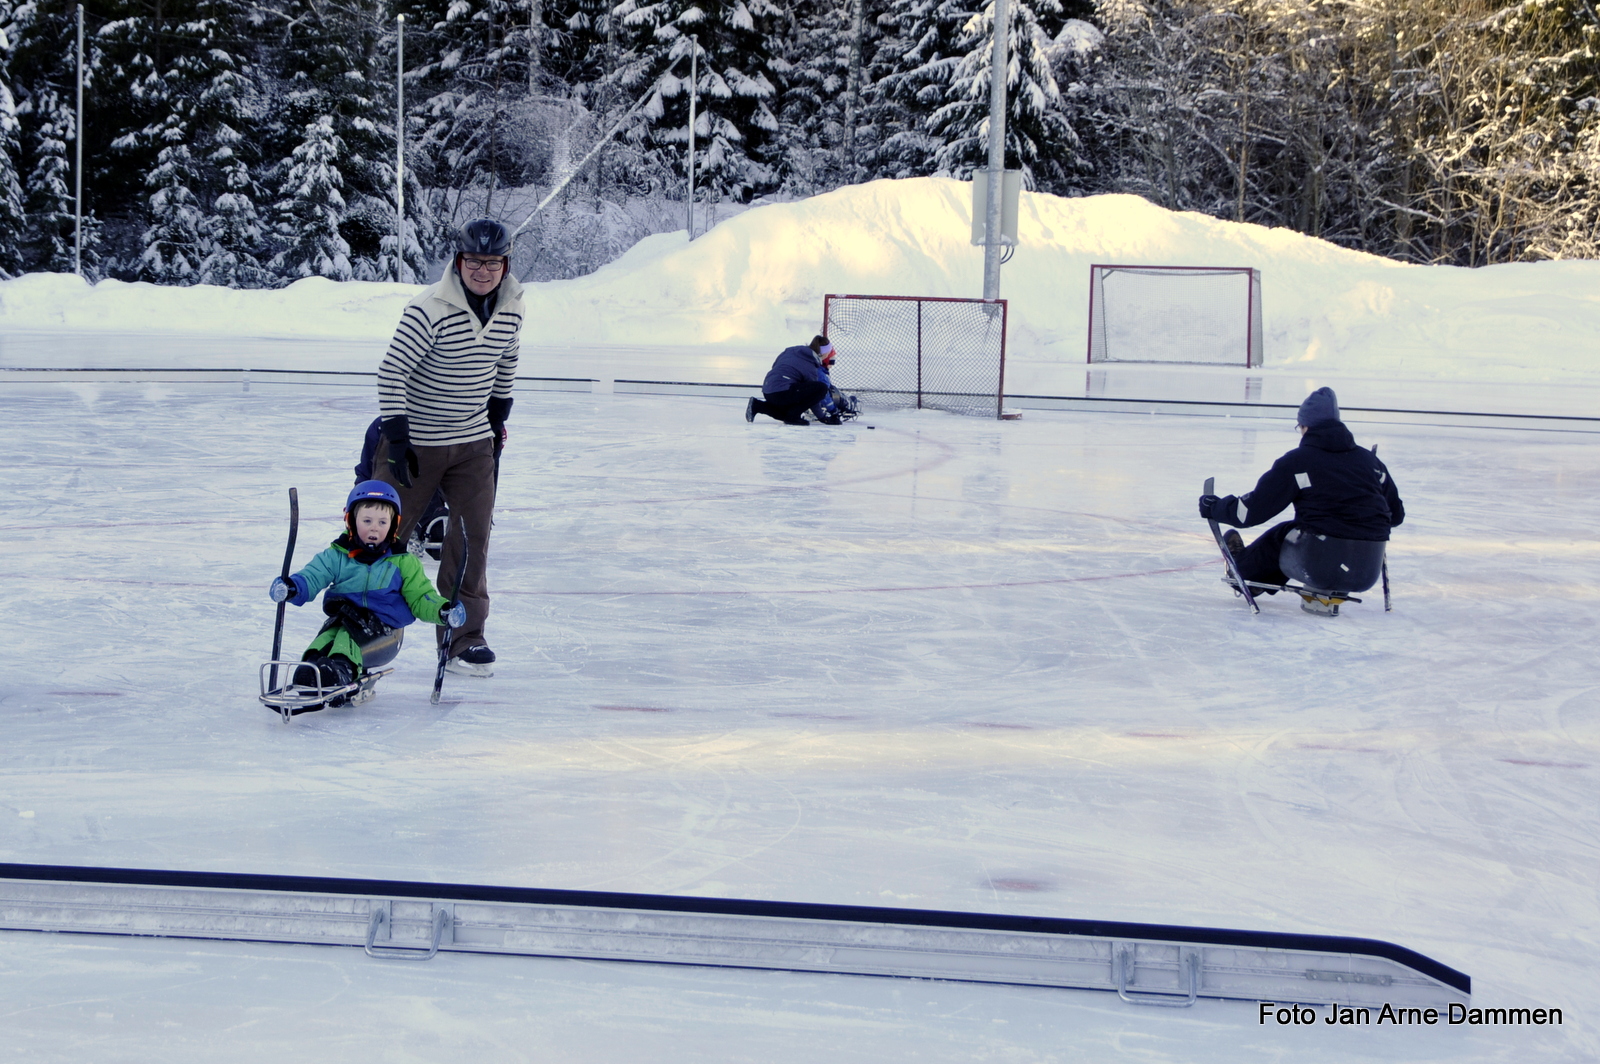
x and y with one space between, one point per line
320 573
418 590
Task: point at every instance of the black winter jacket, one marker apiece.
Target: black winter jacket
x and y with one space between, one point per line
1337 489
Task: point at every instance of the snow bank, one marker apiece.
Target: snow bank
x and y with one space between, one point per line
757 280
311 308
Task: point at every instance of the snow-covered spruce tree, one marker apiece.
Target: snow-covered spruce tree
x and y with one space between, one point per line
918 58
42 61
310 206
173 241
338 65
1040 140
11 216
475 81
233 230
733 124
818 61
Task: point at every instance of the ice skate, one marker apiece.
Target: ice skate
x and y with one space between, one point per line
474 661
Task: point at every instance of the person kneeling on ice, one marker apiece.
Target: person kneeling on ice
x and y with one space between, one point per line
798 381
1345 503
372 588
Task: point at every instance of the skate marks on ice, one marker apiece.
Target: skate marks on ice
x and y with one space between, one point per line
877 691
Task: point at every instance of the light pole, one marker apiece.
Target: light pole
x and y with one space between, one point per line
997 149
77 166
694 76
400 149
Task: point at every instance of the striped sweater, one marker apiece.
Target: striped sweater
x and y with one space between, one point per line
442 367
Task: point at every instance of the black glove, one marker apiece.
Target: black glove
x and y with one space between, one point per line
1208 503
402 458
499 410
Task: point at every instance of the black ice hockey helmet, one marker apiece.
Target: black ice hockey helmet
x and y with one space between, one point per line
484 236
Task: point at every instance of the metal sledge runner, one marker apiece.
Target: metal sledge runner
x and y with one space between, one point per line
293 699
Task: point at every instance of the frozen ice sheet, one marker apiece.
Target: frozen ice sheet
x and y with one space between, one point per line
946 663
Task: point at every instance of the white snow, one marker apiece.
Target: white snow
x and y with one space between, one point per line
758 278
945 663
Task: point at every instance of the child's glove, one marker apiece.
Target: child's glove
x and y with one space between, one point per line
280 589
453 614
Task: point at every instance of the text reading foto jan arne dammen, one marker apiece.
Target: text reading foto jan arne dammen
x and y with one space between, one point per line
1456 1013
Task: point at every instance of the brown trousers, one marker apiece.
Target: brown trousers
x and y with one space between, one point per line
465 473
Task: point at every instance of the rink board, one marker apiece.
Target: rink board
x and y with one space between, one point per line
1144 963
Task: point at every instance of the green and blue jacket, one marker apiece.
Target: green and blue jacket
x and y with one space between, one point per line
391 585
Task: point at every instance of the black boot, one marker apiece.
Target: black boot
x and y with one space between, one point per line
336 671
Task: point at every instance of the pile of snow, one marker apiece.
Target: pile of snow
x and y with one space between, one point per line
757 281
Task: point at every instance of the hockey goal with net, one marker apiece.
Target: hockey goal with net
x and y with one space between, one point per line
1198 315
899 352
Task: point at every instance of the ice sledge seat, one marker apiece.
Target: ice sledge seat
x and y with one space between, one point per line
382 650
1330 564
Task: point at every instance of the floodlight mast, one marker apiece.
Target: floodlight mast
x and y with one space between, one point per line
77 165
400 149
999 63
694 76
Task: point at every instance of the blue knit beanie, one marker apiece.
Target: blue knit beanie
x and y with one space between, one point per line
1321 405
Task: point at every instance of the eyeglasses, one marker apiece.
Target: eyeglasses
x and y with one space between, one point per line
492 265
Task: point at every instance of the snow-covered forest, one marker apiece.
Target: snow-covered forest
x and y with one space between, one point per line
251 144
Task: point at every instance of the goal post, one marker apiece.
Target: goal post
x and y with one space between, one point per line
919 352
1194 315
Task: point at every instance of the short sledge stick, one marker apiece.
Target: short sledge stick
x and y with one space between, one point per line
1240 584
455 596
1388 607
288 560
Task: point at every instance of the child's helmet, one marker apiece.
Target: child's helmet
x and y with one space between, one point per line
372 491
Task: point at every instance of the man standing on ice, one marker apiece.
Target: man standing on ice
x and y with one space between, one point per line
444 392
798 381
1339 492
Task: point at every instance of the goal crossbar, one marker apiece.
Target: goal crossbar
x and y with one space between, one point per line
1199 315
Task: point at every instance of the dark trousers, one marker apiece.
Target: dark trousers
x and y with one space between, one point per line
789 405
465 474
1259 561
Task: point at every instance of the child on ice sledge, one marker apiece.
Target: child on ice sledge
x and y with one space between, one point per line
372 589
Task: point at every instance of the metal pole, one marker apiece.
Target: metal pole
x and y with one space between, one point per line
597 149
694 75
999 62
400 149
77 167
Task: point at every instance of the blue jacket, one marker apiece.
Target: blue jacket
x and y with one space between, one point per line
794 365
1336 488
394 587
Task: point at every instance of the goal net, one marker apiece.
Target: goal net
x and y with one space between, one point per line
899 352
1206 315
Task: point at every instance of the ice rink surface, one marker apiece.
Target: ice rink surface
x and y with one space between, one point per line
944 663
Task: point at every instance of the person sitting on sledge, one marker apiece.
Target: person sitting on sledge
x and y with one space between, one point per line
1345 503
427 535
798 381
373 589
